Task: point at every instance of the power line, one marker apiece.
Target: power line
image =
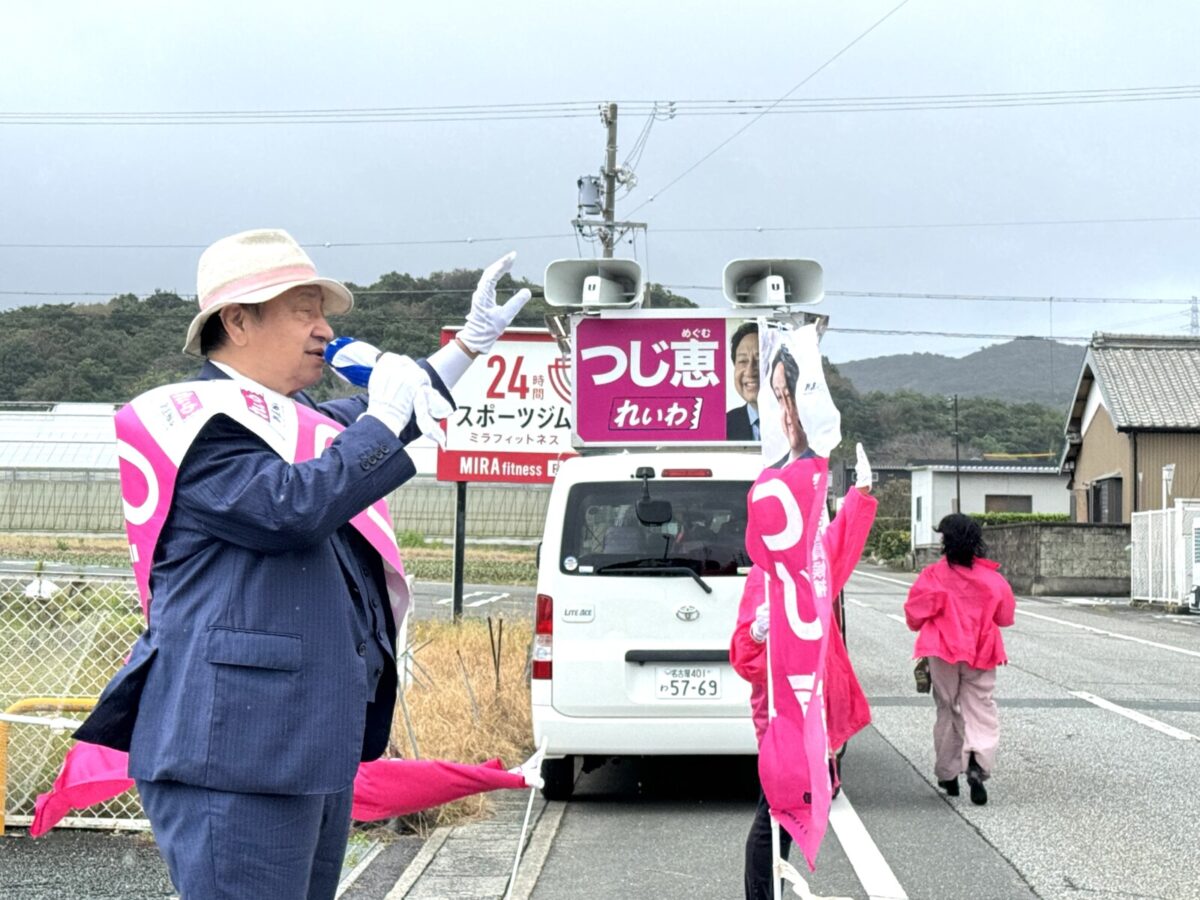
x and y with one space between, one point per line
182 315
994 298
574 109
758 229
880 295
749 124
962 334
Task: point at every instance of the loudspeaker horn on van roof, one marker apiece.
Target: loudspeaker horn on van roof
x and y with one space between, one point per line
773 282
595 283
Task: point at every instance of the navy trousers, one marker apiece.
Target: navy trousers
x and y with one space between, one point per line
221 845
758 853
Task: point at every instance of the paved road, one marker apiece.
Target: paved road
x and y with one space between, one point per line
1100 713
433 600
1100 718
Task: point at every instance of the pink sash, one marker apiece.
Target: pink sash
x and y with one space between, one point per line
155 430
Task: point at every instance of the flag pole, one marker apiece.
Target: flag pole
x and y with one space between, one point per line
776 855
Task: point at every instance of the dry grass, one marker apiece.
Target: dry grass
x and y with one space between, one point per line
446 723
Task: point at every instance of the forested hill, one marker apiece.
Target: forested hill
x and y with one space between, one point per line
1028 370
111 352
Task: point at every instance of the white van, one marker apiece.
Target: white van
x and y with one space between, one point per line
640 573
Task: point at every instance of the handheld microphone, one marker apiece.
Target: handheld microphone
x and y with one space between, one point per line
352 360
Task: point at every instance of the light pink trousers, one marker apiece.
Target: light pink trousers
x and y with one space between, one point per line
967 720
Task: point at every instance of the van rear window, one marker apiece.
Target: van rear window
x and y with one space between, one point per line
697 524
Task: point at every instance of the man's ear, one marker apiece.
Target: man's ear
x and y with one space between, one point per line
233 317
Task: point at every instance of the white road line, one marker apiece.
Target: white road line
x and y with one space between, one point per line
857 602
897 618
491 599
873 872
1102 631
447 600
1112 634
1140 718
906 584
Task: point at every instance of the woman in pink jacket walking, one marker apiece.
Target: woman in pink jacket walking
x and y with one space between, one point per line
957 606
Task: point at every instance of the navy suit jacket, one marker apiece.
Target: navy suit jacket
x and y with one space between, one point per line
737 424
268 663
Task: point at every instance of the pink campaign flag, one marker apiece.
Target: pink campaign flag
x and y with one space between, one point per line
785 510
382 789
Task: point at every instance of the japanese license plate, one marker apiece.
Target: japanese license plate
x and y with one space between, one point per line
687 683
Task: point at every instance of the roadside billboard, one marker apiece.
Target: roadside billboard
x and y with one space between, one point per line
514 424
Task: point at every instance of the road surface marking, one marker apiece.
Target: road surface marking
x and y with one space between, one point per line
489 599
1101 631
1112 634
857 602
897 618
883 578
872 870
446 600
1140 718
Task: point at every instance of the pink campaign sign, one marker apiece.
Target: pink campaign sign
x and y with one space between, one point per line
650 380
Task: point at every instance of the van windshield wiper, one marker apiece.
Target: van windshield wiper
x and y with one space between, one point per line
652 567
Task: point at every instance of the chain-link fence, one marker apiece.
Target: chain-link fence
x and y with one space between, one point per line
81 501
62 637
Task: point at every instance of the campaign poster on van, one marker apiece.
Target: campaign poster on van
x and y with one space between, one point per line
513 422
657 377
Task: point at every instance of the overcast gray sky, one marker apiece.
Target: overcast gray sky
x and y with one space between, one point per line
919 201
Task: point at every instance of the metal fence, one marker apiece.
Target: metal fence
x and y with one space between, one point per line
88 501
1161 554
62 636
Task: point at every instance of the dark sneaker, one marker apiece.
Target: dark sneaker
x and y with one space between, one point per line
975 780
950 787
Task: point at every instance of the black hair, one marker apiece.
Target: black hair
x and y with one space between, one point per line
213 335
962 539
744 329
791 371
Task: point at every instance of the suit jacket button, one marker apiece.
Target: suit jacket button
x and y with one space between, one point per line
362 649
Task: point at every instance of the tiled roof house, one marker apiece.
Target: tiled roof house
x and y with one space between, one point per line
1136 409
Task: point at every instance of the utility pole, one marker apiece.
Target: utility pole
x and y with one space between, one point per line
1194 324
609 234
957 473
606 228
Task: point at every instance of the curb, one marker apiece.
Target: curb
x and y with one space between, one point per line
419 864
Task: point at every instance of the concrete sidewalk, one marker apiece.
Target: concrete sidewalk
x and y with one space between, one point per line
475 861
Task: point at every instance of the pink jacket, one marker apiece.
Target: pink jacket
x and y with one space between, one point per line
846 705
958 611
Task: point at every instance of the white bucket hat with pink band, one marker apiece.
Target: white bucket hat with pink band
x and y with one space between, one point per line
254 267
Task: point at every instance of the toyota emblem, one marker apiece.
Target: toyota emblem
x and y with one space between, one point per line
687 613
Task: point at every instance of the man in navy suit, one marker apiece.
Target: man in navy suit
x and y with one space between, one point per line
741 422
268 668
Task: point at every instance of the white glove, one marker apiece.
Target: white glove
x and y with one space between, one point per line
531 769
762 622
862 469
391 389
430 407
486 321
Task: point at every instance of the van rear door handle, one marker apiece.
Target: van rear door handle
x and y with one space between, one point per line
641 657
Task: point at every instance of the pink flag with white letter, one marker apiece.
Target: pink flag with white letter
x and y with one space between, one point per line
785 508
